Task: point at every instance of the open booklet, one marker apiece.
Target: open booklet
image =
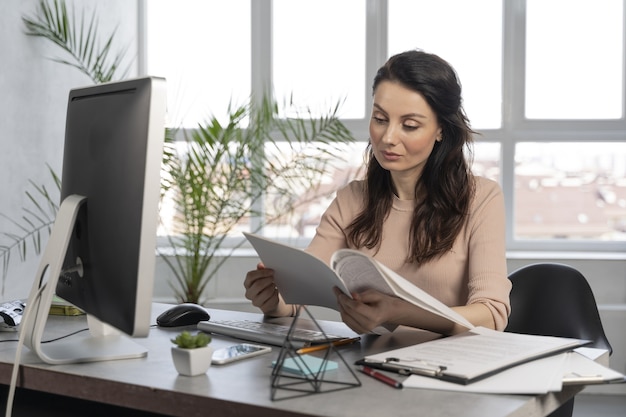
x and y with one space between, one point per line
304 279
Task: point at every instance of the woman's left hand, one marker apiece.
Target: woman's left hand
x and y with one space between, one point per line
366 310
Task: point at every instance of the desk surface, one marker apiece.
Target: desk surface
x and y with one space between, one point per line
244 388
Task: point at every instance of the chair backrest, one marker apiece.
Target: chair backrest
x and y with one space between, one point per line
551 299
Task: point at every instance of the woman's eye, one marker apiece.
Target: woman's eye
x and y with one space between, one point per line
379 120
410 127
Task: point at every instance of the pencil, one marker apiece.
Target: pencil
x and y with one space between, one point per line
316 348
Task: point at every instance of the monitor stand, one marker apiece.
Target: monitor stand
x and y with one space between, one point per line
103 342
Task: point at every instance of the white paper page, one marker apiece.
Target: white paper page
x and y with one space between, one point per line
582 370
360 272
357 272
536 377
301 277
476 352
598 355
426 301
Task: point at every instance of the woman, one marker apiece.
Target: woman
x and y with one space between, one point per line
419 210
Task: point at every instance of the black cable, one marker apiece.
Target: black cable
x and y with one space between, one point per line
51 340
67 335
152 326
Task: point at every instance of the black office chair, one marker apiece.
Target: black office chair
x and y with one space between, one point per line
550 299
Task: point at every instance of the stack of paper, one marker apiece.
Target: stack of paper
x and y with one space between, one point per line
486 361
536 377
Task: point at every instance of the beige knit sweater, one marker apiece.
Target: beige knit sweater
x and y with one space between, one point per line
474 271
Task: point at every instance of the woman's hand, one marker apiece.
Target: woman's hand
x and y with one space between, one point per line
261 290
366 310
370 309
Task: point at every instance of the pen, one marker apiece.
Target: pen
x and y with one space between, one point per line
395 365
315 348
381 377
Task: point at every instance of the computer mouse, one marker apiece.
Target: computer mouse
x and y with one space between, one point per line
185 314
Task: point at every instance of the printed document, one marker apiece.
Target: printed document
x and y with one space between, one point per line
470 356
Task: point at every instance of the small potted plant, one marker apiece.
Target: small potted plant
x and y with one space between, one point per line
192 353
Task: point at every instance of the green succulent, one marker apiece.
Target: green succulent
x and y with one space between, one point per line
187 340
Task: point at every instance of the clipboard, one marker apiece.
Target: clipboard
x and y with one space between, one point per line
470 356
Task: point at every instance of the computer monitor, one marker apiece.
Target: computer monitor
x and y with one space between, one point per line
101 253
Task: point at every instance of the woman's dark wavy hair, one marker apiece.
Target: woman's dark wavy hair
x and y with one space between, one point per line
446 181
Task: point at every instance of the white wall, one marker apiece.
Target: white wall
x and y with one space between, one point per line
32 108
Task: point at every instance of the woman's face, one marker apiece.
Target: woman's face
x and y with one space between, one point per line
403 130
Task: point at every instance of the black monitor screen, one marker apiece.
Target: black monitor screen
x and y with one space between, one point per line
112 156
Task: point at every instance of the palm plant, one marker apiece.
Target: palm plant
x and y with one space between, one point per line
224 178
224 175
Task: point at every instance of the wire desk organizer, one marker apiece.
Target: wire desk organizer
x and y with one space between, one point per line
307 379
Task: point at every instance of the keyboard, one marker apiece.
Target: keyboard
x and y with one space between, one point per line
262 332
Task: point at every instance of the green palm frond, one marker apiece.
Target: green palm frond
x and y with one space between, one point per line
36 220
77 37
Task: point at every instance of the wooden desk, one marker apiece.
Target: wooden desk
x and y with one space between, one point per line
151 385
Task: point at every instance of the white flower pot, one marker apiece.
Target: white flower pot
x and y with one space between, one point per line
192 362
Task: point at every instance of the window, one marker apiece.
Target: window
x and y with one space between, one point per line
203 50
568 128
543 84
567 190
318 56
574 59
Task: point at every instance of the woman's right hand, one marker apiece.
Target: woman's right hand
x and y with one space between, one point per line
262 291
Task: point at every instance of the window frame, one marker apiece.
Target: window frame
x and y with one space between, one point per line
515 126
